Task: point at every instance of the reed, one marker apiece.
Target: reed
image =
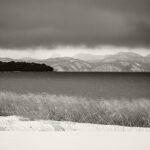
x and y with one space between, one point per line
135 112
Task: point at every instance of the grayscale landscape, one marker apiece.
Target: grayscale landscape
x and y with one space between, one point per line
74 65
120 62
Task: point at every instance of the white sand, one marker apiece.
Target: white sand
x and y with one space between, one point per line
15 123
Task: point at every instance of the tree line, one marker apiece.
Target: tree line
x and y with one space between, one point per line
24 66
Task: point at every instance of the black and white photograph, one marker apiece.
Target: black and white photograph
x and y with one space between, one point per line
75 66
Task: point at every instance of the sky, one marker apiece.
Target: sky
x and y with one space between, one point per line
65 27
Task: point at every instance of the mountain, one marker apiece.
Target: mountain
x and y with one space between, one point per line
125 57
117 66
67 64
123 62
120 62
89 57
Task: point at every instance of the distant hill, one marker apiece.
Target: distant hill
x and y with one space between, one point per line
123 62
23 66
124 56
67 64
89 57
120 62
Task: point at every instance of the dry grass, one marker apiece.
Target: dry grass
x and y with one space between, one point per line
60 107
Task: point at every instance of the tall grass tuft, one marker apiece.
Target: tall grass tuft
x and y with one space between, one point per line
44 106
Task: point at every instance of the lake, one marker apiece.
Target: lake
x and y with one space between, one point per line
92 85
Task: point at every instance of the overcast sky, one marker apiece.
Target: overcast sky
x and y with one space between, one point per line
27 24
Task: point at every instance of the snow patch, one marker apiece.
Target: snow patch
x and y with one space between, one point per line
15 123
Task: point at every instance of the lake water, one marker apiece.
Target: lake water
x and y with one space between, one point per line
93 85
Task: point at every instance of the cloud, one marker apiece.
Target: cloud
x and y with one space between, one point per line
33 23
